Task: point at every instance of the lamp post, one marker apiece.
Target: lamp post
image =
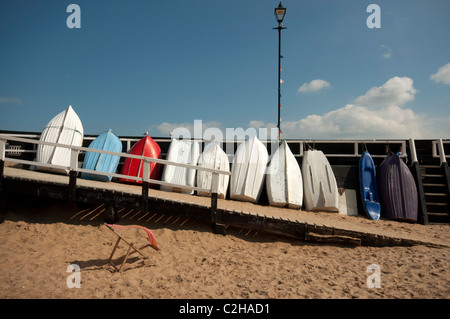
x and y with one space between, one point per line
280 11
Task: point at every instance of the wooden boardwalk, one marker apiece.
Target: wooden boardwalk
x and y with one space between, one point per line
300 225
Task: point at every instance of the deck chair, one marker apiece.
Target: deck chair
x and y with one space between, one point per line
113 228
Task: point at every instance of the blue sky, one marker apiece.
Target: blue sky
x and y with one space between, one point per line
143 65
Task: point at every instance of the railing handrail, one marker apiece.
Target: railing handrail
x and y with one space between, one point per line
439 145
303 143
146 181
139 157
412 147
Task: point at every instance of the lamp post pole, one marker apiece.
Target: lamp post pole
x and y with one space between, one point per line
279 14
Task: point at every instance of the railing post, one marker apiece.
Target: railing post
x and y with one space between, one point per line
415 170
412 147
216 217
2 149
145 185
2 161
73 174
441 151
73 159
444 168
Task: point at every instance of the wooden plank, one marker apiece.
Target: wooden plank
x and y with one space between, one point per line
144 197
332 239
72 185
194 212
86 149
423 213
112 253
2 170
130 246
446 173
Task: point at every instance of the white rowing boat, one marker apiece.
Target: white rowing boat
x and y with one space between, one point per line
213 157
319 183
248 170
185 152
64 128
284 181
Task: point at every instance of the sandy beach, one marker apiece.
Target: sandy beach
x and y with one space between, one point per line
40 239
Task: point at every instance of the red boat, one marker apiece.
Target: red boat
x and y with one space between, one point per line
131 166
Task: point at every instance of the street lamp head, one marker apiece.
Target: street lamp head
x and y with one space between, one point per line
280 11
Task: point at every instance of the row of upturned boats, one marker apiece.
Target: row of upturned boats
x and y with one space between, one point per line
313 186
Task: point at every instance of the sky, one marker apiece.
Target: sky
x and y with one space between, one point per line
154 66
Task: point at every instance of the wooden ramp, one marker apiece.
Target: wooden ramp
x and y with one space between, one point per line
112 197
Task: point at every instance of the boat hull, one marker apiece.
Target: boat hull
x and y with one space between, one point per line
319 183
134 167
64 128
213 157
185 152
368 185
284 183
248 171
397 189
105 163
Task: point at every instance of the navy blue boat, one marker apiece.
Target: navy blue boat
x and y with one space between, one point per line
368 184
106 141
397 189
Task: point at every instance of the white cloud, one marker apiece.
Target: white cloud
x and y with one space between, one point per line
11 100
354 121
442 75
396 91
187 129
379 113
257 124
313 86
387 54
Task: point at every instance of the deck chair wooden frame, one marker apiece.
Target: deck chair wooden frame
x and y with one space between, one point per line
130 247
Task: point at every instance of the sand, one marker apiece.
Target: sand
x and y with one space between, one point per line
39 239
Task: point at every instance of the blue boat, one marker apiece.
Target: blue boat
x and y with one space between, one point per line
368 184
106 163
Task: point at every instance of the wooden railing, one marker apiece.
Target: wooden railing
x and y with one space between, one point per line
438 145
354 146
73 169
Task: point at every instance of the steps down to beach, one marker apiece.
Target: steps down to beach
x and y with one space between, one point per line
436 193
